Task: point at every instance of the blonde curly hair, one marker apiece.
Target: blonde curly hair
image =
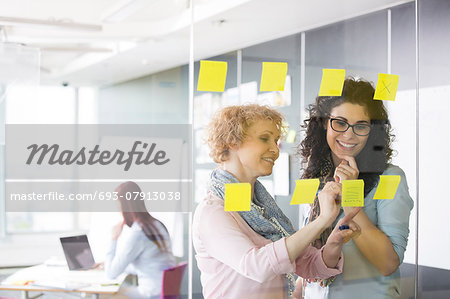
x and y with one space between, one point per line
230 124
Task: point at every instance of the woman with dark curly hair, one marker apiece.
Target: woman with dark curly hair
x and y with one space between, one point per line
348 137
253 254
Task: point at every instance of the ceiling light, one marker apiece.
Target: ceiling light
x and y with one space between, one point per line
123 9
64 24
75 49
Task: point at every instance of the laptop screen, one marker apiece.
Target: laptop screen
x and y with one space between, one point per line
78 252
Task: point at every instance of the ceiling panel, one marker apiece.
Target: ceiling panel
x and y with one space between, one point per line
156 36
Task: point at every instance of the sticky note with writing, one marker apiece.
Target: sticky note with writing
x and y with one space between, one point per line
387 187
386 87
352 193
305 191
332 82
238 197
212 76
273 76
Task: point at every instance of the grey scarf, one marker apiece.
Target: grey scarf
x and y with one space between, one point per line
265 217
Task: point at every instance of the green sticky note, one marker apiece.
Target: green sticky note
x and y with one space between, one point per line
332 82
273 76
290 138
353 193
387 187
238 197
386 87
212 76
305 191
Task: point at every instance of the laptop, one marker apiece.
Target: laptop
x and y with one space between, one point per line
78 252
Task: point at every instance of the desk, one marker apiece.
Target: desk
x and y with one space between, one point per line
61 279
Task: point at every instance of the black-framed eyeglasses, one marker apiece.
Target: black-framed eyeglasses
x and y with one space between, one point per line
340 125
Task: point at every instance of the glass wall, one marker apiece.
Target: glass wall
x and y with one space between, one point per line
366 46
365 43
433 83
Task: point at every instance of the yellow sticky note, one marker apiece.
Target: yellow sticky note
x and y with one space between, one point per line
387 187
238 197
353 193
273 76
212 76
332 82
290 138
305 191
386 87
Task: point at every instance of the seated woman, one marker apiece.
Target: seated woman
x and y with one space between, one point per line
141 245
348 137
254 254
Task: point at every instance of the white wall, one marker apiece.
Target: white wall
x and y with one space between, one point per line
433 144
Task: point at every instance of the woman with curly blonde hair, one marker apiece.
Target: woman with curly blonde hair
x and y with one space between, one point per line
253 254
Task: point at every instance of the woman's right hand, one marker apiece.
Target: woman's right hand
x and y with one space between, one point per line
330 201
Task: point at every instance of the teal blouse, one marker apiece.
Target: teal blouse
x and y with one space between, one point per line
361 279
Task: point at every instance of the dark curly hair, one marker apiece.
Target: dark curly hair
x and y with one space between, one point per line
375 156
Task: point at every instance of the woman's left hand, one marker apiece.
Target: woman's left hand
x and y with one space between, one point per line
346 170
99 266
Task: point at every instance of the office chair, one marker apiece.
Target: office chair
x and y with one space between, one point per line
171 281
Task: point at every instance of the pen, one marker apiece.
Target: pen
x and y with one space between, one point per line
342 227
